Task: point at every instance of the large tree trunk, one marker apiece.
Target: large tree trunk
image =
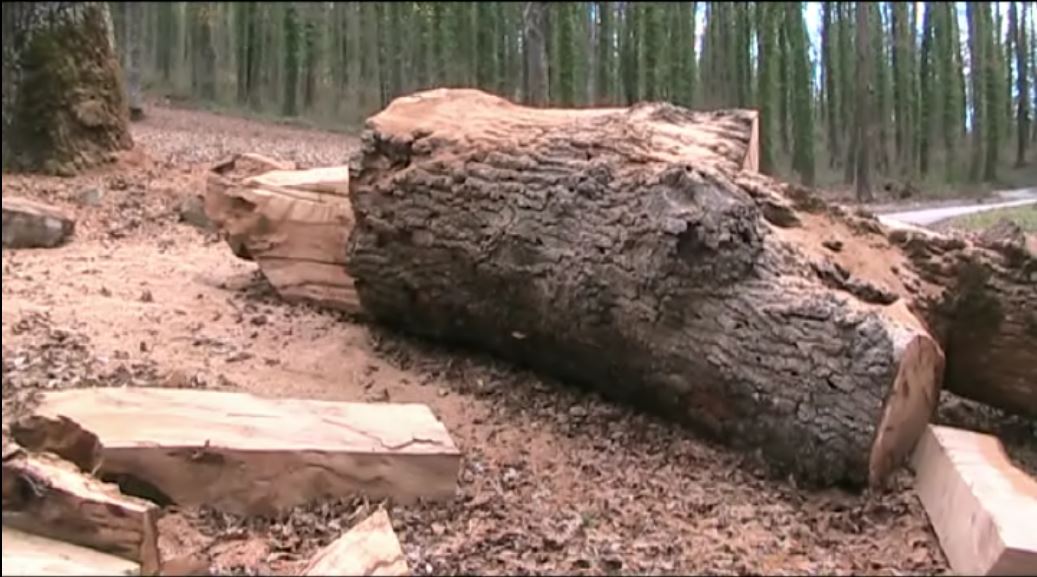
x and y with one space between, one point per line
63 103
616 248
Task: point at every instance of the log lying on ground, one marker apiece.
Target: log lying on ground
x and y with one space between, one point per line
370 548
293 223
252 456
985 313
31 224
613 248
32 555
47 496
982 508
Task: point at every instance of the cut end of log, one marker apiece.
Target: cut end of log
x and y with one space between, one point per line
909 406
981 506
31 224
369 548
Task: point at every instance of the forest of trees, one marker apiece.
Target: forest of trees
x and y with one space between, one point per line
911 92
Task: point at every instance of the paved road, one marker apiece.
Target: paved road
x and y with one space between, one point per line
929 216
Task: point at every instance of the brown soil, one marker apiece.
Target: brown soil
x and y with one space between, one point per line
554 480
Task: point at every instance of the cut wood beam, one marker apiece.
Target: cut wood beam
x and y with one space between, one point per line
250 455
982 507
48 496
27 554
369 548
293 223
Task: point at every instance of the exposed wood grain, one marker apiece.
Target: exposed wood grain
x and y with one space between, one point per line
982 507
251 455
48 496
294 224
31 555
369 548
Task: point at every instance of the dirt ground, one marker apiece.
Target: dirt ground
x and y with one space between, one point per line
554 480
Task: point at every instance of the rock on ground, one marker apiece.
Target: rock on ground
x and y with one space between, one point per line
30 224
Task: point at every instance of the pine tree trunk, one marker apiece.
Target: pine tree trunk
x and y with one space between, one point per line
134 13
64 108
1022 41
865 105
534 17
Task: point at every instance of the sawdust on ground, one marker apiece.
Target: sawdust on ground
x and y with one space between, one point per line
553 480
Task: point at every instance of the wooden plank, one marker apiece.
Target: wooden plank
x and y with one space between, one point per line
369 548
27 554
251 455
331 179
982 507
51 497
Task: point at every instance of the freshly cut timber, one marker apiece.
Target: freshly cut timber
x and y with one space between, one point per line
628 250
985 313
254 456
31 224
29 555
293 223
370 548
981 506
51 497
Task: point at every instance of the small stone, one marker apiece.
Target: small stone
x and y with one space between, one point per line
192 212
833 245
259 320
147 297
91 197
105 292
143 347
30 224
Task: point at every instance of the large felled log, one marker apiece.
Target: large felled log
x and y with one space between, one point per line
983 311
982 507
623 249
293 223
249 455
48 496
30 224
369 548
31 555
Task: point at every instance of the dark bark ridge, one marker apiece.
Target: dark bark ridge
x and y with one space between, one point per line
583 247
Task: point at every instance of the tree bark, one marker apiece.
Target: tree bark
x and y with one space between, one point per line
64 109
134 48
615 248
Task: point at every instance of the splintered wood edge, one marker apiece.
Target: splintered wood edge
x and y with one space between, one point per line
65 478
369 548
28 554
909 404
979 503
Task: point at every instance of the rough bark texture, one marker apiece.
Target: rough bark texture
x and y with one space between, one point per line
626 249
63 103
984 314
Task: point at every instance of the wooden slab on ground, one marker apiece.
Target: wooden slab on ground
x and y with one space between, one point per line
249 455
31 224
51 497
293 223
369 548
27 554
982 507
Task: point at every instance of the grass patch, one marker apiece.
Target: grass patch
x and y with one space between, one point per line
1024 216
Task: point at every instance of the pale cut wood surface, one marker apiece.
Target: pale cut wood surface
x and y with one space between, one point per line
251 455
294 224
48 496
32 224
982 507
27 554
369 548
